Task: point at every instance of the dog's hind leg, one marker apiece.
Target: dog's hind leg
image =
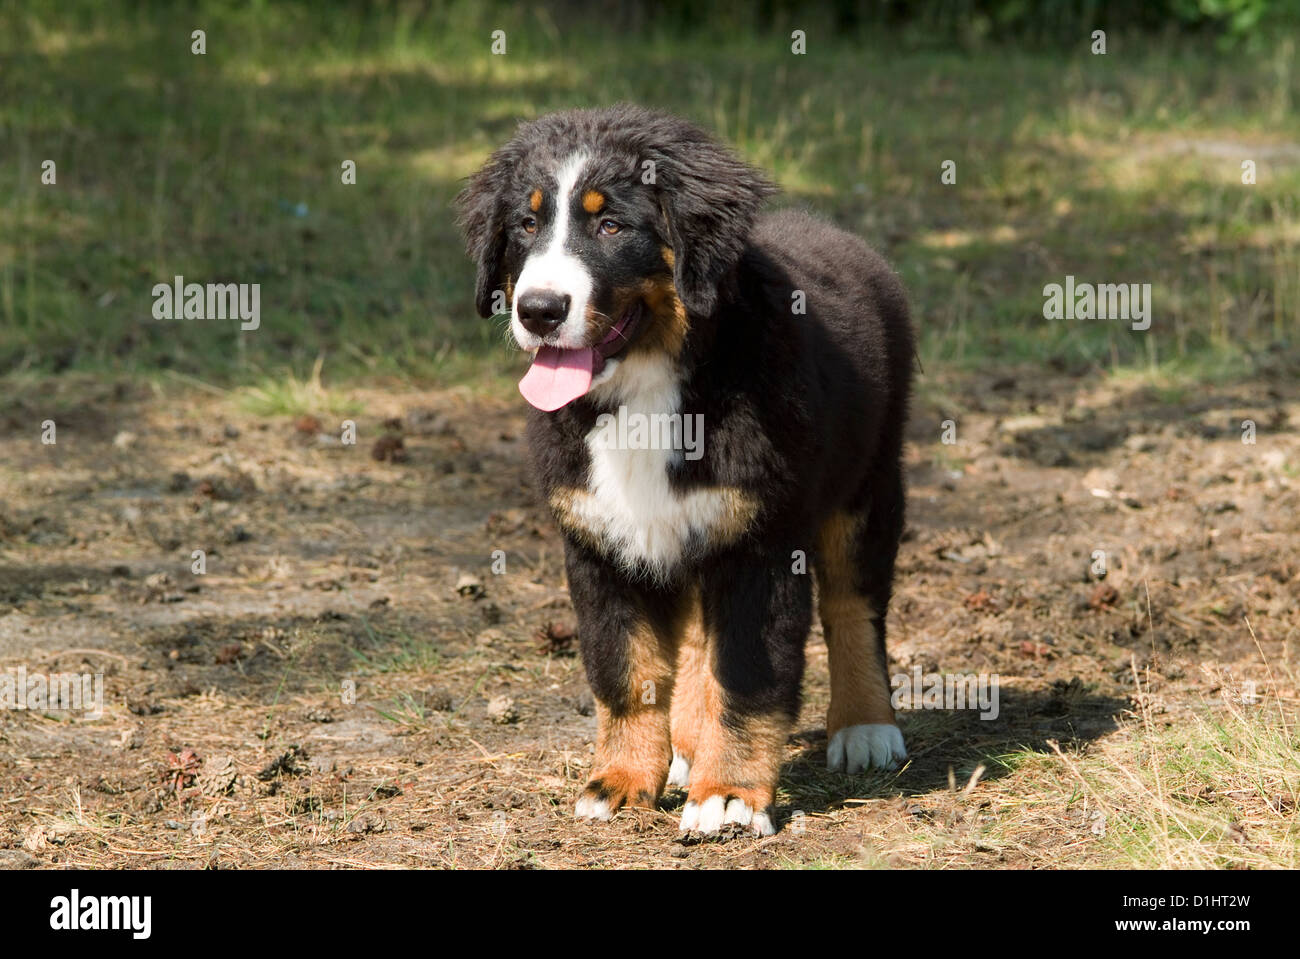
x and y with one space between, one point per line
855 568
694 691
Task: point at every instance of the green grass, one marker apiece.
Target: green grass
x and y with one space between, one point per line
395 651
226 168
290 396
1218 791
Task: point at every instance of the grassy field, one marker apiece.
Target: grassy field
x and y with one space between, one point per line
226 167
1150 720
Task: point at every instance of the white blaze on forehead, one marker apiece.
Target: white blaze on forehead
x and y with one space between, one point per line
554 269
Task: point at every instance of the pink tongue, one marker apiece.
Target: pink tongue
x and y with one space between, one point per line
557 377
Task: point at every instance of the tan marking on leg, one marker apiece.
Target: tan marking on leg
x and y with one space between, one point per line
633 746
535 200
633 754
740 758
669 256
695 690
593 201
859 689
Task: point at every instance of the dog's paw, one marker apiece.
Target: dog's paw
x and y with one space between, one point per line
611 790
679 773
709 815
855 748
593 806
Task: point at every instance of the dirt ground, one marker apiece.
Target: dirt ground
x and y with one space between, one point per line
227 740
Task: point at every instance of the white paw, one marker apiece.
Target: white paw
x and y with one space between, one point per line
855 748
592 807
715 812
679 773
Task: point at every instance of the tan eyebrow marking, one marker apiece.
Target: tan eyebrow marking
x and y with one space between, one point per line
535 201
592 201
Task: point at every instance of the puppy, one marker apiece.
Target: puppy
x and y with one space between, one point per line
718 401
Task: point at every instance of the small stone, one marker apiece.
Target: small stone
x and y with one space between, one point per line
470 587
501 710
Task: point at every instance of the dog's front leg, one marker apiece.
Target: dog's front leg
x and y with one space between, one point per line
756 615
627 634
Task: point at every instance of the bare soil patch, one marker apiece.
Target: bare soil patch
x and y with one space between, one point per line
227 740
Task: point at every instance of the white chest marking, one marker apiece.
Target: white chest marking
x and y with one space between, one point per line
629 504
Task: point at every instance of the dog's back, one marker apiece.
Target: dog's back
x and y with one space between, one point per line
817 332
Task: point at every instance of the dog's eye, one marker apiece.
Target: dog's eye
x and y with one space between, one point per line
609 227
529 224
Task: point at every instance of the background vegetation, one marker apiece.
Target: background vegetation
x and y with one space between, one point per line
226 167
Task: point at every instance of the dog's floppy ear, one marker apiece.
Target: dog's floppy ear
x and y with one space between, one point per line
710 198
482 207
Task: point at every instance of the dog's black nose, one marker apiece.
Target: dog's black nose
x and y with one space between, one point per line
541 311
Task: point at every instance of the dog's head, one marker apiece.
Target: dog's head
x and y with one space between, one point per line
604 231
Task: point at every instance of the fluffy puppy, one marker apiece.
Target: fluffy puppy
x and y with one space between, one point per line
718 400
